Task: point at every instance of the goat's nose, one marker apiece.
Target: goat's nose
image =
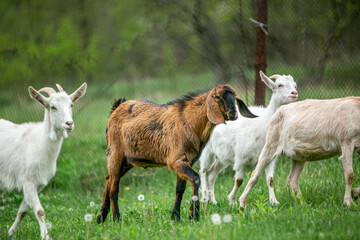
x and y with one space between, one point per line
294 93
69 123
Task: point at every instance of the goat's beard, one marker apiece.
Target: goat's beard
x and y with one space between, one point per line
53 135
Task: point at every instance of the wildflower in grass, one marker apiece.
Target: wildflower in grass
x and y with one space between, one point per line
92 204
70 209
227 218
2 208
48 225
194 198
216 219
88 217
127 188
141 197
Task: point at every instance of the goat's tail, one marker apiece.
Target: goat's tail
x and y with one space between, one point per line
116 104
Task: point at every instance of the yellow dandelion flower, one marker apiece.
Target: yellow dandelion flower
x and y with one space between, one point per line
127 188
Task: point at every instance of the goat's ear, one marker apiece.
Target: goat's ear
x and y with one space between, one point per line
78 93
243 109
270 83
213 111
38 97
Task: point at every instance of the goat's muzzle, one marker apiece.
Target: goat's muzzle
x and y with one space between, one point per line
232 115
68 126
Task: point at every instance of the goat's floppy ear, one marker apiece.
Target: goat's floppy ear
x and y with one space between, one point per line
213 112
243 109
270 83
38 97
78 93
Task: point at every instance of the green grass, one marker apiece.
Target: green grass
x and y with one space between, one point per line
82 167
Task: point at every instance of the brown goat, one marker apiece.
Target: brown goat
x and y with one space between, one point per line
141 133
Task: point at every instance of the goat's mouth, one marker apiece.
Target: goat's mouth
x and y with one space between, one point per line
232 116
68 129
294 98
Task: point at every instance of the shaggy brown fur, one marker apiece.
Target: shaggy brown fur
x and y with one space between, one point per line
144 134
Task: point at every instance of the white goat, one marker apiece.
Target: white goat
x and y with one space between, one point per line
28 151
239 143
311 130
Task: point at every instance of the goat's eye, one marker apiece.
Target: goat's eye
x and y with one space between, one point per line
217 98
53 108
280 86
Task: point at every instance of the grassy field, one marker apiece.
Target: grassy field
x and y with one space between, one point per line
77 187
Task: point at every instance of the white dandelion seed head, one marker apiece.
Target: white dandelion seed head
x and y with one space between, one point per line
92 204
88 217
194 198
48 225
227 218
2 207
70 209
141 197
216 219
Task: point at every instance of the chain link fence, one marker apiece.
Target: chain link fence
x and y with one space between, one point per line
163 49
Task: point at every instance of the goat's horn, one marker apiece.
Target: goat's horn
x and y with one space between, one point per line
47 90
60 88
275 76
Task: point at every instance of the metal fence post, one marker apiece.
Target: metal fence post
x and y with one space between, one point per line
260 62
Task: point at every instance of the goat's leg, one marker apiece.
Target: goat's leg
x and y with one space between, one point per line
105 206
20 215
206 160
213 172
204 185
266 157
118 167
114 188
238 178
32 200
269 172
180 188
185 172
296 169
346 159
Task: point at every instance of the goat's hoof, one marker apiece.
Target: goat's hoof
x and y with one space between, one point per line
11 233
196 218
355 193
175 217
100 218
274 202
347 203
116 218
232 201
242 206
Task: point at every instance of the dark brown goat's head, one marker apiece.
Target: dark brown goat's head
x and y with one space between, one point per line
221 105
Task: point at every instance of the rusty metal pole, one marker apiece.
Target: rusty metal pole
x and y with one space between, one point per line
260 63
